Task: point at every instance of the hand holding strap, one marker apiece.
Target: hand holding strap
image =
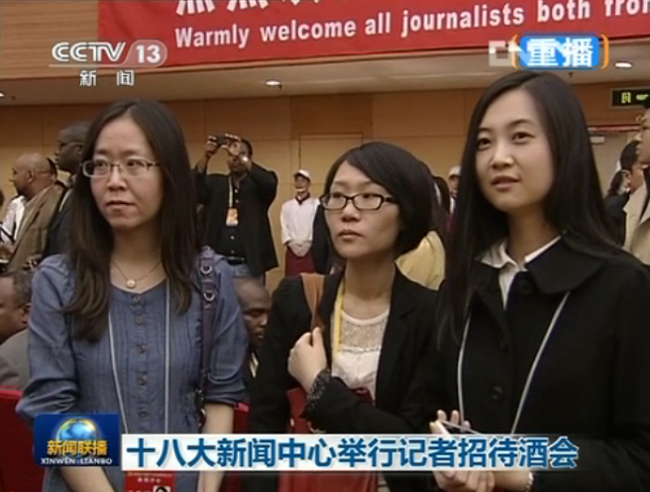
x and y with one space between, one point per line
312 284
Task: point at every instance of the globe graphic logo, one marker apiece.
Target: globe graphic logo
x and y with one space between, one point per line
77 430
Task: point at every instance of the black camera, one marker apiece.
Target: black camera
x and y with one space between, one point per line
221 139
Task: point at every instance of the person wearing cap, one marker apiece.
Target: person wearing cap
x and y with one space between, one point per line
453 178
637 222
297 221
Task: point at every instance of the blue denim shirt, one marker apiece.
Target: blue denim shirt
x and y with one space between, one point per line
69 375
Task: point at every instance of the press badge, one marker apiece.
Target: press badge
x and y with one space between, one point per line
232 218
137 481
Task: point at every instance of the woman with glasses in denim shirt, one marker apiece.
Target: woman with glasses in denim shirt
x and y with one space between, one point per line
377 323
116 324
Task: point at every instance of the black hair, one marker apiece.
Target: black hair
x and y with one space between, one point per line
2 198
406 178
22 280
249 147
77 131
615 184
91 239
629 155
574 204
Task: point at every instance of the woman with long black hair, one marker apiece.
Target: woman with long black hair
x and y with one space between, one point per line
543 319
136 318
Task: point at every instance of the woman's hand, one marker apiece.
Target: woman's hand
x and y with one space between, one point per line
307 358
460 480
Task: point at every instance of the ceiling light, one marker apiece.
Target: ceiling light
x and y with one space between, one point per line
2 94
273 83
623 64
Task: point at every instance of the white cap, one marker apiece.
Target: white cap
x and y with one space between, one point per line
301 172
454 171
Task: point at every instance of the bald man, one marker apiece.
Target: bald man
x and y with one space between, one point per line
33 178
255 302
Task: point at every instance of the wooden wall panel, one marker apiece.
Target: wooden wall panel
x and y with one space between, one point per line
318 153
57 117
418 114
332 114
303 132
47 22
439 153
21 126
263 118
191 116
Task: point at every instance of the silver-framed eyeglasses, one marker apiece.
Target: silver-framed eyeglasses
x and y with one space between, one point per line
100 168
361 201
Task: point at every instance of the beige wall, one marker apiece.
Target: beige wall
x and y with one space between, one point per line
300 132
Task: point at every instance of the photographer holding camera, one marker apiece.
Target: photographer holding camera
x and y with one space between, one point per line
236 205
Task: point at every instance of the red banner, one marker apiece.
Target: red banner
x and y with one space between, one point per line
200 32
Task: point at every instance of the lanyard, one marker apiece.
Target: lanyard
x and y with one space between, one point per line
531 372
338 318
118 391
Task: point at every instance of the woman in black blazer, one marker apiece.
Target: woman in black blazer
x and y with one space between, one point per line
545 323
376 202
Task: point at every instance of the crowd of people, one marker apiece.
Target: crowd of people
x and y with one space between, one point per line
138 288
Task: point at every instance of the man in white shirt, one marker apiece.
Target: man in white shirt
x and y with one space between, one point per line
12 219
297 221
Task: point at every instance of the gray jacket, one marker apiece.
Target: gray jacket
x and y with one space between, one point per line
14 366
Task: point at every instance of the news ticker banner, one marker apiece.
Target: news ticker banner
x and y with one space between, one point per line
200 32
95 440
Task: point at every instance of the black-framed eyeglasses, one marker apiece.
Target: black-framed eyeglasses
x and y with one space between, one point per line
99 168
361 201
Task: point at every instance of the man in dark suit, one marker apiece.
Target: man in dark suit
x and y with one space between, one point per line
255 302
236 207
68 158
15 295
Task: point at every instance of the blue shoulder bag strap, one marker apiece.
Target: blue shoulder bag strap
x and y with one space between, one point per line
209 303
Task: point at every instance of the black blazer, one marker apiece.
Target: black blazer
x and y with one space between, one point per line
397 411
615 206
593 379
257 192
59 229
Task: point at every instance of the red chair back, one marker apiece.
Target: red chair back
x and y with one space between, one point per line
18 471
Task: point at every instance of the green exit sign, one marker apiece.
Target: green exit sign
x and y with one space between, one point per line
623 98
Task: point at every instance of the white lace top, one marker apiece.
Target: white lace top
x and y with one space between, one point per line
357 358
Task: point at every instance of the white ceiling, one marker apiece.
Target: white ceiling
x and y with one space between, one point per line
379 75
